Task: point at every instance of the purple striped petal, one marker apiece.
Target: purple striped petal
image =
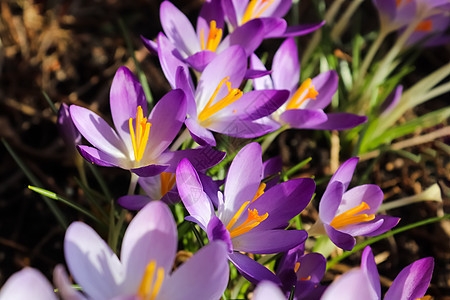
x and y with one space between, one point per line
342 240
251 270
125 96
191 192
178 29
203 276
268 241
283 202
151 235
286 67
413 281
303 118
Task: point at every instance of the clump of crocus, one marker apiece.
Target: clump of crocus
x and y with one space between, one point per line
197 48
247 219
144 270
306 102
140 140
344 214
364 283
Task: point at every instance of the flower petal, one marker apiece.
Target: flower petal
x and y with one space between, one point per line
353 285
170 60
200 60
286 67
191 192
340 121
95 156
368 193
134 202
326 84
203 277
150 170
261 83
27 284
249 36
93 265
200 134
369 267
273 27
268 241
243 179
342 240
166 118
344 173
283 202
151 235
125 96
237 127
178 29
303 118
271 167
251 270
388 223
413 281
201 158
268 290
298 30
184 82
218 232
97 132
64 286
331 199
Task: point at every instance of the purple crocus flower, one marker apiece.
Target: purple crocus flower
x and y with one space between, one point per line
344 214
247 219
305 105
217 104
138 143
431 31
27 284
198 47
364 283
305 271
270 12
67 129
395 14
144 270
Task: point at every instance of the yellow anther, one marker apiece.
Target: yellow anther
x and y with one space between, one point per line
306 278
260 191
237 215
297 266
167 182
304 92
149 288
210 109
350 216
139 138
255 10
425 26
214 37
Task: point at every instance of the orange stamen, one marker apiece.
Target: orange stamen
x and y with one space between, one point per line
214 37
304 92
167 182
210 109
140 137
349 217
260 191
426 26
